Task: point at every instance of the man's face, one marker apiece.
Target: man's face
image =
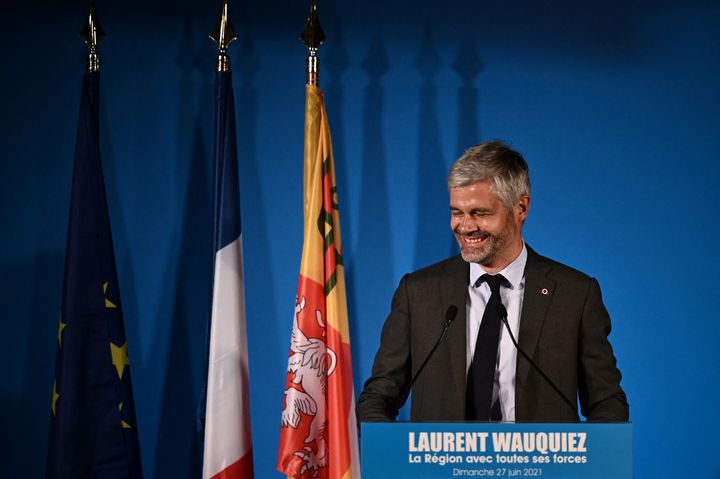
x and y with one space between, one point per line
487 232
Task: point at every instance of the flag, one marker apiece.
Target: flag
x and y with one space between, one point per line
318 436
93 431
228 444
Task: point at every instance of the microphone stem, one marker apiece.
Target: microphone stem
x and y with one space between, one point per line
427 358
449 318
549 381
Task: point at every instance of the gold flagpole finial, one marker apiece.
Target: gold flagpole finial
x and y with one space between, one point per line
312 36
223 36
93 34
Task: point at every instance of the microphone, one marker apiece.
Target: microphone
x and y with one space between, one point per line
450 315
502 313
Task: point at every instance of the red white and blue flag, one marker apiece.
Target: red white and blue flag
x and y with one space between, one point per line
228 444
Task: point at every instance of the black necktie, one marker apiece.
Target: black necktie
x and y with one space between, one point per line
481 375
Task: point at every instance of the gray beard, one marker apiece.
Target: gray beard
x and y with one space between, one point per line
487 254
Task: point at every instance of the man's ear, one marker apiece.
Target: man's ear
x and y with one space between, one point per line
522 208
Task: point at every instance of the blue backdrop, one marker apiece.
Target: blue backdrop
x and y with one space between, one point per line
614 104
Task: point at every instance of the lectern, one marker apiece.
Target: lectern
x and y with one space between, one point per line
395 450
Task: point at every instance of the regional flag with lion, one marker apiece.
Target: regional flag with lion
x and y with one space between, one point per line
318 438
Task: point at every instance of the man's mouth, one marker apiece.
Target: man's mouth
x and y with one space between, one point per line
475 240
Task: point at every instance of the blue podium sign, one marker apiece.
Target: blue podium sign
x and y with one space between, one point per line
449 450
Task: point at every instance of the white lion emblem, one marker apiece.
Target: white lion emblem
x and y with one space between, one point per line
312 363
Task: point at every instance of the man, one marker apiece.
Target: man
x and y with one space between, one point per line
555 312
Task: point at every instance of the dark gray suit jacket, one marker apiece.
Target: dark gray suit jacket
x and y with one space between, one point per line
564 329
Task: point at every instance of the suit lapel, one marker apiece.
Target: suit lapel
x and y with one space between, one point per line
539 290
453 286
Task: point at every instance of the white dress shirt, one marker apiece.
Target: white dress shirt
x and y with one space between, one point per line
512 297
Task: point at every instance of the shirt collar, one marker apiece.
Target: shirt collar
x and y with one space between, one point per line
513 272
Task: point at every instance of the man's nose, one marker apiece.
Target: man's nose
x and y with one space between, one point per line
465 225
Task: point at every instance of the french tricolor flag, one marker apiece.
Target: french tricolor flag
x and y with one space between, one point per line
228 444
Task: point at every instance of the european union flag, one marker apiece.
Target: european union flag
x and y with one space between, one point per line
93 431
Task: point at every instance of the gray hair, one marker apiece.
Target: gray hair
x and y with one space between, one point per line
493 161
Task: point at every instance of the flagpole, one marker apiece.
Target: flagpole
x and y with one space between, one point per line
223 36
93 34
93 427
318 434
227 435
312 36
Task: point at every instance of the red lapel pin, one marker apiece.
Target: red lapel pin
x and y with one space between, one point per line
544 292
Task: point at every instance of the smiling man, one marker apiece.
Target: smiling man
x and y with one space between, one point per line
470 303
